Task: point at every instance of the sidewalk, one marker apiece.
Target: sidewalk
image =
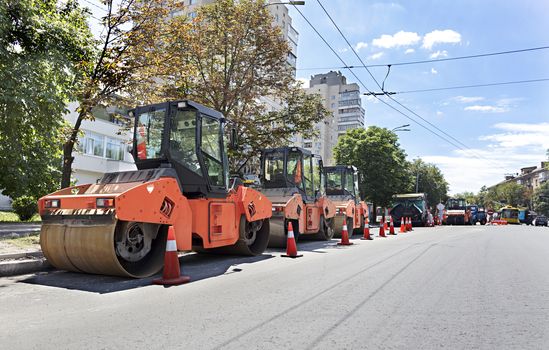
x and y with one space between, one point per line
20 249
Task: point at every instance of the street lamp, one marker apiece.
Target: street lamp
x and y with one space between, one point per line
401 128
295 3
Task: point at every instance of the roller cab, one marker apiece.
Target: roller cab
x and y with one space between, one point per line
293 180
118 226
342 190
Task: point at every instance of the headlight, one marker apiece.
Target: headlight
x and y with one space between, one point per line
52 203
104 202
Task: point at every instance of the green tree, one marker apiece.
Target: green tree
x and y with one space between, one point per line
41 45
541 199
380 160
128 57
430 180
235 61
512 193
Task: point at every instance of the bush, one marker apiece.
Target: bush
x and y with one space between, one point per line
25 207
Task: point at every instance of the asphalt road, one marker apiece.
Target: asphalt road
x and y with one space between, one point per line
445 287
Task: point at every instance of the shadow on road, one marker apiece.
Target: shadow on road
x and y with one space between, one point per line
198 266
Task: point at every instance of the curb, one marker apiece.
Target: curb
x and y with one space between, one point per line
21 267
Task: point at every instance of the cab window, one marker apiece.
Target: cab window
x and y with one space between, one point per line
212 139
308 175
183 140
148 134
295 169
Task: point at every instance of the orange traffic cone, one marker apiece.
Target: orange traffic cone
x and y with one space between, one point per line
381 229
411 226
291 246
392 227
402 226
385 224
171 275
408 226
367 231
344 234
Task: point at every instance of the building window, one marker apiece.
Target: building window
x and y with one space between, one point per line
114 149
333 97
333 105
94 144
308 144
192 2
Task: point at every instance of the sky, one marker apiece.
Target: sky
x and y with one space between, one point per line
500 128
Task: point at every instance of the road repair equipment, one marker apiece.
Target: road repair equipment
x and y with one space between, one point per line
402 226
409 225
456 212
367 235
385 227
342 190
171 274
392 227
293 179
410 205
291 246
381 229
119 225
344 236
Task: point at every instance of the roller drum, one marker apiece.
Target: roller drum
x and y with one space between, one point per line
83 246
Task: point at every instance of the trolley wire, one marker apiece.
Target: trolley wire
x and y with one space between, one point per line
434 60
456 143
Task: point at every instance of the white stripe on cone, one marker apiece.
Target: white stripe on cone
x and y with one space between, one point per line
344 227
171 246
291 234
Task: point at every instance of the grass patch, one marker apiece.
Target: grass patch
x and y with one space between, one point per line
9 216
25 242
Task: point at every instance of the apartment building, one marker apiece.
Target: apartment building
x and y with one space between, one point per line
531 177
104 144
344 103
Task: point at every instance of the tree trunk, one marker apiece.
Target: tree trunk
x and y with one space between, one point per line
68 148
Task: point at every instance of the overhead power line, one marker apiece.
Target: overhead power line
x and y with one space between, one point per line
96 6
434 60
456 143
475 86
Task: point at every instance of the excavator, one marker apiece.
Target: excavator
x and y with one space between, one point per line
118 226
293 180
342 190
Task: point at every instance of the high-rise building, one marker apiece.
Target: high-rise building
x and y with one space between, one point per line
344 103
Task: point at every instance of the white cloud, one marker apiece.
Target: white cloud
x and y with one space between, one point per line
434 71
465 99
401 38
408 51
519 145
361 45
343 50
439 54
439 114
520 135
375 56
487 109
440 37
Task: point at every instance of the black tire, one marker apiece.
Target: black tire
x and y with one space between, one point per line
350 229
326 231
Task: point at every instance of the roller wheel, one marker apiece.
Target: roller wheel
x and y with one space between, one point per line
326 231
350 229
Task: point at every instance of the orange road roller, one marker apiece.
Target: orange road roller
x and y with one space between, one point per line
293 179
119 225
342 190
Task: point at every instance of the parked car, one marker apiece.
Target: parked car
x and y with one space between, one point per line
540 221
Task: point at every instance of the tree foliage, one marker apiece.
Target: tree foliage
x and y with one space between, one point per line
430 180
234 60
41 45
126 58
380 160
541 199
